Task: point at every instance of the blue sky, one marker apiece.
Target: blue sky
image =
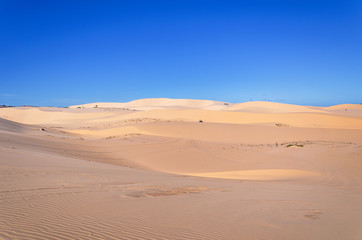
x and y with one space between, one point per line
61 53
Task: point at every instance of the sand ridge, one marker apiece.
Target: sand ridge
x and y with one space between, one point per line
271 107
159 103
260 174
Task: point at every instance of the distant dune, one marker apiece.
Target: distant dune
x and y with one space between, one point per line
181 169
345 107
252 107
270 107
159 103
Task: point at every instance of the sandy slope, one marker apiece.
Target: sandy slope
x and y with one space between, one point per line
249 171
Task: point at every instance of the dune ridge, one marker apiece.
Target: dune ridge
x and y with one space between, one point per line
158 103
345 107
260 174
271 107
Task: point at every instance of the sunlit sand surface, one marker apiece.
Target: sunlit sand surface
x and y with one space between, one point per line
261 174
181 169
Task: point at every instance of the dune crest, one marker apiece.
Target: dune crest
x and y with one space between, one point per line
260 174
158 103
345 107
271 107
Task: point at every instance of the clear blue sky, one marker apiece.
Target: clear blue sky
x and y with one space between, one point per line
60 53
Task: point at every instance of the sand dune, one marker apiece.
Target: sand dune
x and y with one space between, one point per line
6 125
148 169
67 116
345 106
270 107
62 117
158 103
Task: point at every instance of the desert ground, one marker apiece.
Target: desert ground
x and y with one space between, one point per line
181 169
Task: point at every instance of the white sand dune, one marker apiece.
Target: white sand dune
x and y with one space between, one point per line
158 103
255 170
271 107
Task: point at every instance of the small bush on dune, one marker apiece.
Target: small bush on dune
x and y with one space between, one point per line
295 145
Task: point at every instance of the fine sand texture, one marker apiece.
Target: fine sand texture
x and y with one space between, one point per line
181 169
